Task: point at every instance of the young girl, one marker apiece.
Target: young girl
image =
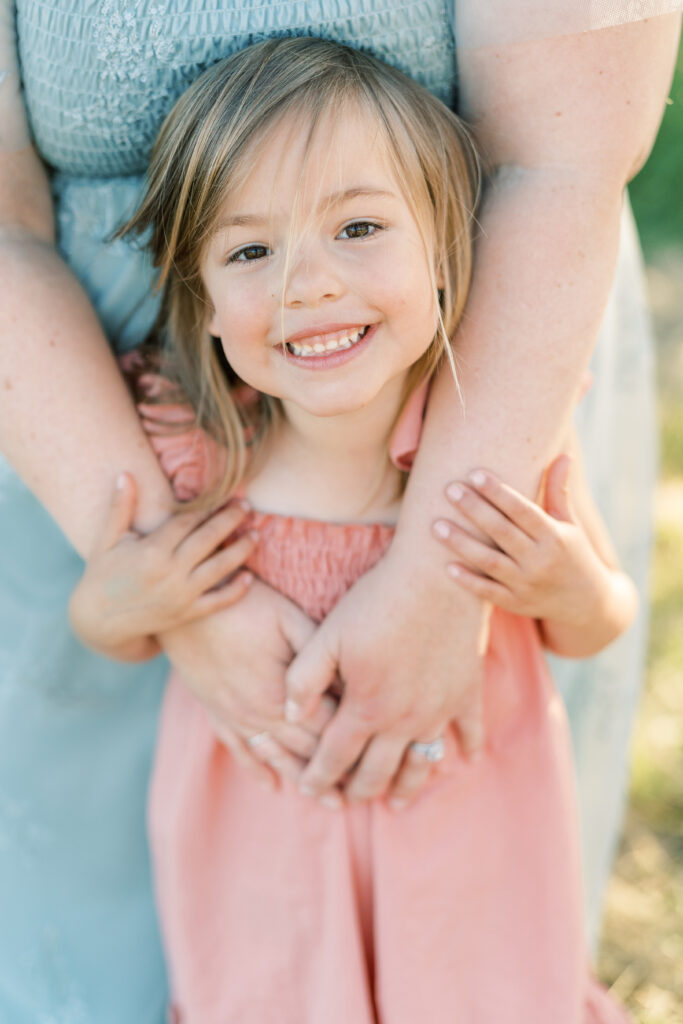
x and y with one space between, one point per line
311 209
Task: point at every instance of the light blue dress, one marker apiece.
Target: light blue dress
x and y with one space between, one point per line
78 935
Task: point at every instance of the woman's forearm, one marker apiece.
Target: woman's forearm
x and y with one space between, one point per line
543 269
67 423
567 122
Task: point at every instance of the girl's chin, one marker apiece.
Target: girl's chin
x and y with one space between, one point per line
333 406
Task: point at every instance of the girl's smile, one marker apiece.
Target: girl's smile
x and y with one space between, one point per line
318 278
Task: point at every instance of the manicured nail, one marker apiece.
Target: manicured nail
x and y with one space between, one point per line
397 803
478 478
442 529
292 711
454 492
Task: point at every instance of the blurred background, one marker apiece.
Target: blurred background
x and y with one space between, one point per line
641 956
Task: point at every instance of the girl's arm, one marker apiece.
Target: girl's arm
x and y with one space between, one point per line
555 564
565 122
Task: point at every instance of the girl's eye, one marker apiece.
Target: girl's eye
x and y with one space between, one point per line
359 229
249 254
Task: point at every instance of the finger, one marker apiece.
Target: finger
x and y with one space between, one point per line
416 770
479 557
269 751
296 739
557 502
223 563
469 722
303 739
260 772
201 541
120 514
296 627
322 716
483 587
488 519
524 513
412 775
310 673
376 768
340 746
222 597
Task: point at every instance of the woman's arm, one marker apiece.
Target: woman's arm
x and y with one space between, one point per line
67 423
565 123
69 427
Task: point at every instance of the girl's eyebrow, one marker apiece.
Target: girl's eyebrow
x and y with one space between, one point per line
240 220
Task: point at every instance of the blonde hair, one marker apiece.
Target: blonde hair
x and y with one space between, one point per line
201 156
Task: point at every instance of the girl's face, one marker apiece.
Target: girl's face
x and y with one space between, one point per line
332 264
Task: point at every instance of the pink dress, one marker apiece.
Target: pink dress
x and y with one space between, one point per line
463 909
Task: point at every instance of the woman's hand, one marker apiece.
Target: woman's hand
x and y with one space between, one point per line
234 662
136 586
407 674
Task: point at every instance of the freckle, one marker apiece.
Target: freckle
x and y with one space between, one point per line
52 342
8 384
558 113
628 103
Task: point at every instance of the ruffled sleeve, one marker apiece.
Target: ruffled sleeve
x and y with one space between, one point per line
189 457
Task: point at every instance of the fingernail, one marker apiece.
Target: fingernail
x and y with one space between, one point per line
478 478
255 536
397 803
331 801
120 481
243 503
442 529
267 784
247 578
306 790
454 492
453 570
292 711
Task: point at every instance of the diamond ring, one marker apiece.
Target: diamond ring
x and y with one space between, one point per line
433 751
259 739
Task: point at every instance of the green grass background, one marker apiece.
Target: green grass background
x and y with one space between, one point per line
642 949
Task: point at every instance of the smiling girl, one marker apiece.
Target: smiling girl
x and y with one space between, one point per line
311 212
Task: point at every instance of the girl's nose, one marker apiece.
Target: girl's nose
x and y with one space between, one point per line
312 281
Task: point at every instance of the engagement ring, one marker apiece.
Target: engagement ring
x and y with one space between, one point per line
433 751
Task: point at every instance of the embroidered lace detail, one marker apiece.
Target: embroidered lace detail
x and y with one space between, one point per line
98 85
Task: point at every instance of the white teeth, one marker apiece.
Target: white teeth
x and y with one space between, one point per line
318 347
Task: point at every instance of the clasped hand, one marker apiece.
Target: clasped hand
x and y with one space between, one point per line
242 647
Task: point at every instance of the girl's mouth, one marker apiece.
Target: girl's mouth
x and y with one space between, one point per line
317 347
